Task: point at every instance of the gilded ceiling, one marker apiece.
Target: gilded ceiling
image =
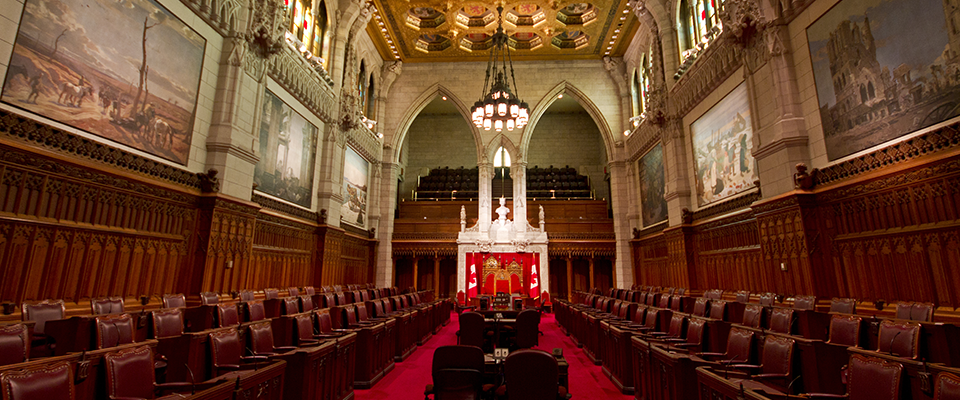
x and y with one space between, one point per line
456 30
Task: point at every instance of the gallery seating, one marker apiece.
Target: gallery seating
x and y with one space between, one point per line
870 379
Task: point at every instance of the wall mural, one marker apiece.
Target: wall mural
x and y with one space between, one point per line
355 177
881 73
287 152
105 67
722 144
653 205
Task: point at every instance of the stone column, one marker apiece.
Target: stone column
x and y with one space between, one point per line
485 196
386 265
518 171
619 200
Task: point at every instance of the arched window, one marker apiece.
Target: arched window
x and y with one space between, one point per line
300 18
361 85
371 99
502 158
635 92
695 19
871 90
319 46
863 94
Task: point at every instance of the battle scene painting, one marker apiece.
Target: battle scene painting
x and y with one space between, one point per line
356 172
653 204
287 153
722 144
127 70
884 68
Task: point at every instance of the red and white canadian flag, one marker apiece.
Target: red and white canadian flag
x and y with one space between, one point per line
472 283
534 282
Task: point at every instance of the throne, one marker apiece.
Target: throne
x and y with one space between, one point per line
502 278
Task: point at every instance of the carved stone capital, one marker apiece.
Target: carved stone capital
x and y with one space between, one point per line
265 35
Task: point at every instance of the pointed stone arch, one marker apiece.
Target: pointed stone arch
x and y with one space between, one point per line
501 140
567 89
419 103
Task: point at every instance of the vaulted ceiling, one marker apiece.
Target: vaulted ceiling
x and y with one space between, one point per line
457 30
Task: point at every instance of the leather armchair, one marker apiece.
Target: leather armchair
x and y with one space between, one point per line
174 300
291 305
40 313
167 323
306 303
271 294
532 374
228 315
753 315
915 311
130 376
247 295
255 311
52 381
675 331
805 303
899 338
226 353
457 373
14 344
843 305
324 325
776 363
743 296
845 330
304 331
293 292
739 348
768 299
471 331
261 340
946 387
106 305
695 333
528 328
869 378
209 298
701 307
718 310
114 330
781 320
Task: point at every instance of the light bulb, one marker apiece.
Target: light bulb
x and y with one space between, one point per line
502 109
514 110
486 124
498 126
488 109
510 125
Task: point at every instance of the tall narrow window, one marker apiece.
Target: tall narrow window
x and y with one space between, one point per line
695 19
371 99
502 158
320 32
635 92
299 19
361 86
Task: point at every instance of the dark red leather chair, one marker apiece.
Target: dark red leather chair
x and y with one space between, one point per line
309 290
53 381
41 312
306 303
261 340
718 309
743 296
946 387
323 327
915 311
228 315
471 330
528 329
694 339
845 330
271 294
167 323
776 366
304 331
255 311
899 338
768 299
174 300
805 303
291 305
457 373
329 300
715 294
114 330
678 324
781 320
226 354
843 305
701 307
869 378
753 315
106 305
532 374
14 344
130 375
739 348
209 298
247 295
293 292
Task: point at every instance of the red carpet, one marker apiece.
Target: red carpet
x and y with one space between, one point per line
408 378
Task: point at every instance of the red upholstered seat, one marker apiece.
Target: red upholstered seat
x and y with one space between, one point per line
845 330
471 329
40 313
53 381
291 305
714 294
328 300
114 330
308 290
167 323
870 378
701 307
528 329
255 311
174 300
743 296
739 348
768 299
106 305
306 303
805 303
130 375
532 374
261 340
781 320
304 331
843 305
678 324
293 292
915 311
226 352
753 315
457 373
899 338
14 344
209 298
946 387
718 310
694 337
271 294
341 298
247 295
228 315
776 363
324 324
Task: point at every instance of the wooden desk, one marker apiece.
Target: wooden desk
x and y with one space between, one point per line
263 383
714 387
199 318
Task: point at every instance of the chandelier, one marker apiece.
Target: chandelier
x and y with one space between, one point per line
499 108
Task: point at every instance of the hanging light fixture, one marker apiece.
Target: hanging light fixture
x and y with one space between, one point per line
499 108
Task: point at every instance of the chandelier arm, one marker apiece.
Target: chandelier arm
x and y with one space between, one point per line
516 93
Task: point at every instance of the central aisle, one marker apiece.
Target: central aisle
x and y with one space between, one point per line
409 378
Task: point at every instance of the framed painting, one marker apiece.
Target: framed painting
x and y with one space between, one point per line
288 149
356 175
722 145
880 73
653 205
127 71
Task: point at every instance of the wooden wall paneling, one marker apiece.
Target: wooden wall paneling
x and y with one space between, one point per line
229 237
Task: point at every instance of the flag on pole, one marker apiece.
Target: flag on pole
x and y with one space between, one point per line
534 282
472 282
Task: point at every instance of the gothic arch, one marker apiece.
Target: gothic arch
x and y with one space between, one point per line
566 88
491 150
419 103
